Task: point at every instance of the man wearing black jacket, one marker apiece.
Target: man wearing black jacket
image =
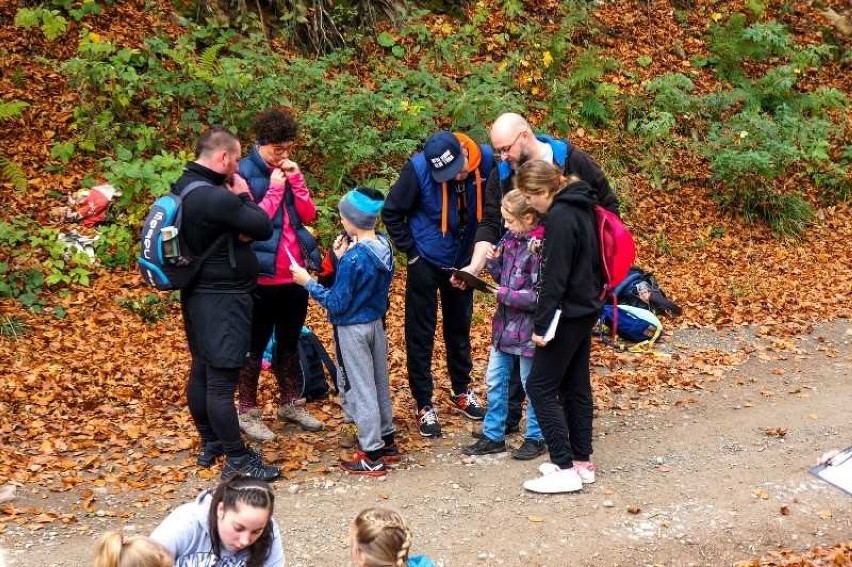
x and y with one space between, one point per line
217 307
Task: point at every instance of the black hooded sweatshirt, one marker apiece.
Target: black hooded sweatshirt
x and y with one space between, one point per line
571 275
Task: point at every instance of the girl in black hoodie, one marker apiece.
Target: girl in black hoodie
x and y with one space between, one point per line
559 385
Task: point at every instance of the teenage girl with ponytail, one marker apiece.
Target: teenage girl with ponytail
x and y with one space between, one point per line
569 300
117 550
231 526
381 538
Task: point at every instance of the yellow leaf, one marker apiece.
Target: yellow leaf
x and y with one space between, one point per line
547 59
536 519
716 16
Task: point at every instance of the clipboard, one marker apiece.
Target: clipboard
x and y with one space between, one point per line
837 470
472 281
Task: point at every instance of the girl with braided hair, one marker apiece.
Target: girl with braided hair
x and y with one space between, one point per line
116 550
381 538
231 526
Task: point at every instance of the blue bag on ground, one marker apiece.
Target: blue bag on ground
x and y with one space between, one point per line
634 323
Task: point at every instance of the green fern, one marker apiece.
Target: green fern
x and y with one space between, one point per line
12 109
208 63
13 173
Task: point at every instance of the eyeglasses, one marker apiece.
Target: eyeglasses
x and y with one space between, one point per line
506 149
284 148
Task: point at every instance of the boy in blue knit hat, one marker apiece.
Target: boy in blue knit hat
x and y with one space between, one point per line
356 304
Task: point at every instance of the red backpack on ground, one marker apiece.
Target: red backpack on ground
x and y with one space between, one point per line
618 253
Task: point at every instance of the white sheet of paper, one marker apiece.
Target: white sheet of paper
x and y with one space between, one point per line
551 329
839 474
293 261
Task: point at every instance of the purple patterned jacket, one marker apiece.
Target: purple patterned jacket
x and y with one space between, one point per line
517 270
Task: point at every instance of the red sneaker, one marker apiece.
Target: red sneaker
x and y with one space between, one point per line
362 464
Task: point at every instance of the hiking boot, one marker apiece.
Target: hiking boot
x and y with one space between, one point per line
429 426
530 449
362 464
476 432
250 464
586 473
347 437
252 425
295 412
209 453
485 446
556 482
390 454
469 405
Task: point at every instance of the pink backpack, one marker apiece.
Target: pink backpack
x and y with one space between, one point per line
618 253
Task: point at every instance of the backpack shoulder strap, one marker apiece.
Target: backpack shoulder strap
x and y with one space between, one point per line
192 187
290 203
323 354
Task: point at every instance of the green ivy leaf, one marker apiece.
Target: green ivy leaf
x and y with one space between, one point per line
386 40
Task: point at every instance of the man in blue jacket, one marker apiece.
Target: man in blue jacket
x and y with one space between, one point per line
431 214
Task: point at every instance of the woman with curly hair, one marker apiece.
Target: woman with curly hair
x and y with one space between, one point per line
280 305
229 526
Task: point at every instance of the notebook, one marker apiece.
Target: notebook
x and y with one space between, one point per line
837 470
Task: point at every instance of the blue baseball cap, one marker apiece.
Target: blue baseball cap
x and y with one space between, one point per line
444 156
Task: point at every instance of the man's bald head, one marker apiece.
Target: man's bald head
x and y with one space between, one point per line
508 124
512 139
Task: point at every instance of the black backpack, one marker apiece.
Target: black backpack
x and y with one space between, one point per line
315 361
640 289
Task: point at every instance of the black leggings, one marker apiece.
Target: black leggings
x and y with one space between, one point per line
217 330
560 390
210 396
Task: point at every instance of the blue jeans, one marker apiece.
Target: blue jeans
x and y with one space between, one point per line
497 382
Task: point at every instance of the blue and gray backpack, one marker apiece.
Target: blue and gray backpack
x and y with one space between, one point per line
163 260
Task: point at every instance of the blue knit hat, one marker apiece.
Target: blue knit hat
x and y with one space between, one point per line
361 206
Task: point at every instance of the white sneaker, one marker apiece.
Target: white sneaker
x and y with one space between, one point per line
557 482
253 426
586 474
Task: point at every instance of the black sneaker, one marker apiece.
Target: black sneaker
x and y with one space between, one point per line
209 453
510 430
469 405
485 446
530 449
251 465
390 455
429 426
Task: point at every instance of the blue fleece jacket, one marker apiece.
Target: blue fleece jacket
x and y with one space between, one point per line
361 285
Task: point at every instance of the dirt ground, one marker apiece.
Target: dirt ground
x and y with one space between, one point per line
694 481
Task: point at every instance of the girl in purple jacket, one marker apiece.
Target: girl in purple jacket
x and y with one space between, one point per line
514 262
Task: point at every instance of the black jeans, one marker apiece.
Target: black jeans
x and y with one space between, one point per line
560 389
423 283
217 329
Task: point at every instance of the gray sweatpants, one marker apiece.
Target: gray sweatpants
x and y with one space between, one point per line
362 376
